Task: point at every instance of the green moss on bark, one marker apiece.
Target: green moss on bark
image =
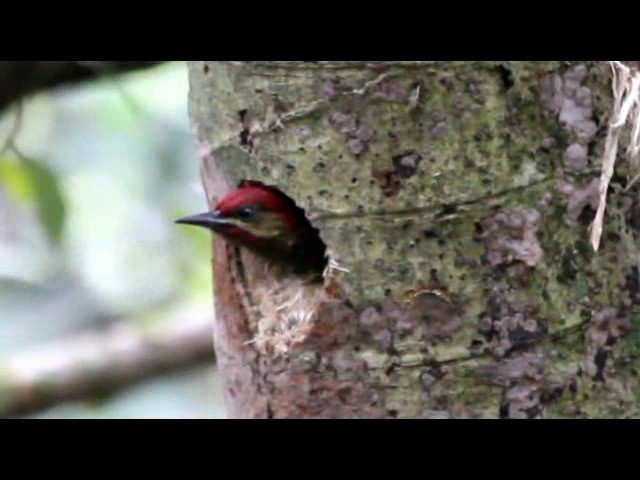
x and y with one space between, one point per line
447 178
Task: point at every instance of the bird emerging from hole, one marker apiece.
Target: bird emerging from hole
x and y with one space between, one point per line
264 220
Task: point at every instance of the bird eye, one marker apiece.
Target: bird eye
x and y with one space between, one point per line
247 212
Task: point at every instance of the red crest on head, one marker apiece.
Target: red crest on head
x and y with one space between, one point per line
257 193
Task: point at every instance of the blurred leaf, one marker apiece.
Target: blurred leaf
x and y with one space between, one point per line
15 178
29 181
48 197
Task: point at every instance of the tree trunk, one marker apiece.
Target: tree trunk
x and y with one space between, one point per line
455 200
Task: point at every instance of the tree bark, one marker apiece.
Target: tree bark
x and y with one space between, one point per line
455 200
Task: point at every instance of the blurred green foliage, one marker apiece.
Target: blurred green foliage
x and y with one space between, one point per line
35 183
87 209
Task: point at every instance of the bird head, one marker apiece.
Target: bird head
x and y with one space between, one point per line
263 219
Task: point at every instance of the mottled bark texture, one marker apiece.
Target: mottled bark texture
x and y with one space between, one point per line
456 199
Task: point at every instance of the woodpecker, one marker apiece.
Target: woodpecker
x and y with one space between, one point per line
264 220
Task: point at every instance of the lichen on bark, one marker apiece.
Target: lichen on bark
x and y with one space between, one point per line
455 198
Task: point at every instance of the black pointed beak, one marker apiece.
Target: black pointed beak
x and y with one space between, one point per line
212 220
